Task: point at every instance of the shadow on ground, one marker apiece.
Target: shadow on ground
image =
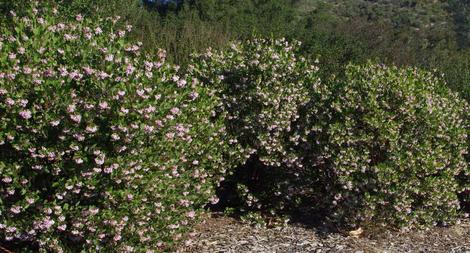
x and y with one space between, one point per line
277 190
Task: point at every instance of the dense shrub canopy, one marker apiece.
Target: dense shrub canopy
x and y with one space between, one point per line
389 147
101 147
262 84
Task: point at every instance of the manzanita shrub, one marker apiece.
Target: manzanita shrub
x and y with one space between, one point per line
387 148
262 83
101 148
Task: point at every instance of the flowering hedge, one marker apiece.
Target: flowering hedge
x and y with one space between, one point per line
101 148
387 148
262 84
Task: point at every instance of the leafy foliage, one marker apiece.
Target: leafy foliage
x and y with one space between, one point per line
388 147
101 147
262 84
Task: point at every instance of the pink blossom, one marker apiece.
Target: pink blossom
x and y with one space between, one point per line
45 224
75 75
91 129
15 209
26 114
51 156
115 137
150 109
27 70
194 95
11 229
103 75
194 82
124 110
191 214
108 170
130 69
181 83
117 238
37 167
170 135
76 118
79 137
175 110
71 108
148 129
103 105
159 123
88 70
7 180
9 101
11 76
214 200
100 160
98 30
109 57
55 122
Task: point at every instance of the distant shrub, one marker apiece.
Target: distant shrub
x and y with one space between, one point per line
101 148
262 83
387 148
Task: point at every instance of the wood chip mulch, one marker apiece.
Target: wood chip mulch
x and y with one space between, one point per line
223 234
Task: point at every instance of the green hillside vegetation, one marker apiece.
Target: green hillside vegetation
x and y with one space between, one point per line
429 34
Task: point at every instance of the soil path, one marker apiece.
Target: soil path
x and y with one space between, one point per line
223 234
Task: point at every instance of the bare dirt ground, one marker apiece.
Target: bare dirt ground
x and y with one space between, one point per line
223 234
